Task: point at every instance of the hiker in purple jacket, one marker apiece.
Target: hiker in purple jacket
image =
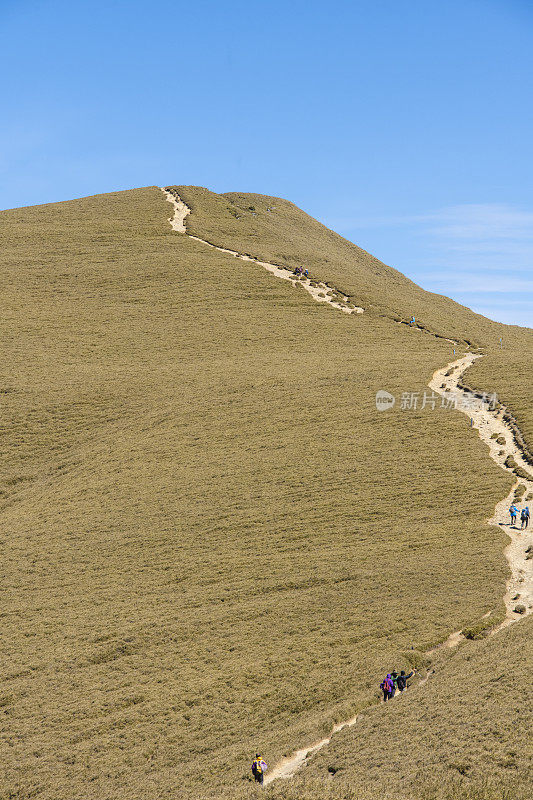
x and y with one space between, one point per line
387 687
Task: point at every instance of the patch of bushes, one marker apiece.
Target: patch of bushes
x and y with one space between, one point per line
479 629
511 464
416 659
519 493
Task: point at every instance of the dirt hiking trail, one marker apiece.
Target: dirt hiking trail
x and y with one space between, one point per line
288 766
320 292
493 430
499 438
520 585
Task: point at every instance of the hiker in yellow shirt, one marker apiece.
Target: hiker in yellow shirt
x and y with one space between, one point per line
258 768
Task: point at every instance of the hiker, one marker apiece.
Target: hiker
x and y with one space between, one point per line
412 321
401 681
524 517
387 687
394 679
306 273
513 511
297 270
258 768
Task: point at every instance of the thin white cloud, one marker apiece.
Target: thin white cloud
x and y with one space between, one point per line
484 222
468 221
479 253
479 282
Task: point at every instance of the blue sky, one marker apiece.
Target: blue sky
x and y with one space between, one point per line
406 125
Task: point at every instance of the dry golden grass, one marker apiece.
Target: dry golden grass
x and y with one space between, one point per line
509 372
465 734
212 540
280 232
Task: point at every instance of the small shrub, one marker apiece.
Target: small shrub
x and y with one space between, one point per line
416 660
462 767
479 628
511 464
520 491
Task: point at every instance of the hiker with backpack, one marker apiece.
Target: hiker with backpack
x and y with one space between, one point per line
387 687
401 681
259 768
524 517
513 511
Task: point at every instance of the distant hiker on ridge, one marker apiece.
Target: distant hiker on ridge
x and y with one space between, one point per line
258 768
524 517
513 511
412 321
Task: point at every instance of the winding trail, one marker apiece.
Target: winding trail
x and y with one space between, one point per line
320 292
288 766
491 426
520 585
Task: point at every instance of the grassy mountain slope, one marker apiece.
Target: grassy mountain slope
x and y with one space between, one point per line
212 540
277 230
509 372
465 734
